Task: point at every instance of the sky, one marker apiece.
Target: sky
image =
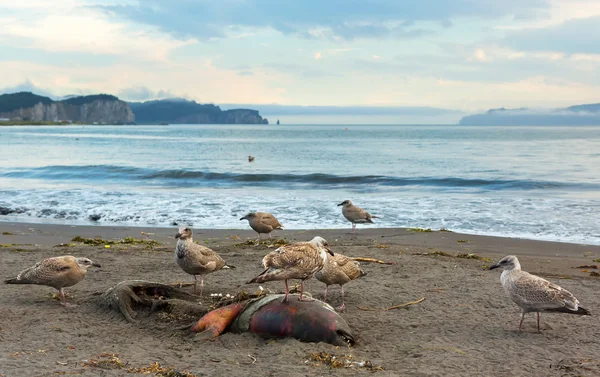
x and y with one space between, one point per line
461 55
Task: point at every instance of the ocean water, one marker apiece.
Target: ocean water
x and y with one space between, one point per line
531 182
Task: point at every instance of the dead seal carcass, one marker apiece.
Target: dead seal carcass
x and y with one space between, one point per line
269 317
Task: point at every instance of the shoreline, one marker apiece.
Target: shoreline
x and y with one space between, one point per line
570 254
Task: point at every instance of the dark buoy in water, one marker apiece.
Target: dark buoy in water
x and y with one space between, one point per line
250 158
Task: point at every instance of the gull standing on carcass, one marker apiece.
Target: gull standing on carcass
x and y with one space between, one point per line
196 259
262 222
299 260
339 269
355 215
56 272
533 293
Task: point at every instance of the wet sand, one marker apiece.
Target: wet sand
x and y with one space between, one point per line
465 325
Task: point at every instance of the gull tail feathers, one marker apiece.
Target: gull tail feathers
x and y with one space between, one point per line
228 266
16 281
266 275
579 311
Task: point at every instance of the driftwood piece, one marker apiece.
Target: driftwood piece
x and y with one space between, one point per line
132 296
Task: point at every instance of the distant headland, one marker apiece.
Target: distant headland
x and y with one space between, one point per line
579 115
30 109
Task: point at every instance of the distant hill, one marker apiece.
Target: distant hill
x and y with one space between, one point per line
81 100
181 111
14 101
26 107
577 115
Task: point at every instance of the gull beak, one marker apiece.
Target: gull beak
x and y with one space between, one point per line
96 264
329 250
178 235
341 204
244 218
494 266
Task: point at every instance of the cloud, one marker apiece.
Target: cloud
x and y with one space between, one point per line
70 26
574 36
27 86
142 93
481 56
302 71
344 19
318 56
344 110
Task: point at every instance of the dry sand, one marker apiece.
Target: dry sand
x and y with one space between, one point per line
465 326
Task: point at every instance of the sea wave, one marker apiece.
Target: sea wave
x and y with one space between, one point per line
501 215
192 178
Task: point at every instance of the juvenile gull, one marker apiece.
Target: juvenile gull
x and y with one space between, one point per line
262 222
534 294
355 215
339 269
196 259
57 272
299 260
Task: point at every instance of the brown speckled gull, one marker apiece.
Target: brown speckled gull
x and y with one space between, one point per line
299 260
262 222
355 214
196 259
56 272
339 269
533 293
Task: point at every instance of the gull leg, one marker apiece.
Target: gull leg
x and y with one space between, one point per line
270 235
302 292
201 285
342 307
195 285
538 315
521 324
63 299
326 289
353 228
287 290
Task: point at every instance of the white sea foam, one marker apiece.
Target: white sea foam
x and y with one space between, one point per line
534 218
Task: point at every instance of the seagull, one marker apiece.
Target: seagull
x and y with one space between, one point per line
339 269
196 259
533 293
262 222
299 260
250 158
355 215
56 272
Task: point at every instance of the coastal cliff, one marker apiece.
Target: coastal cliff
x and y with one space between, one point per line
181 111
28 107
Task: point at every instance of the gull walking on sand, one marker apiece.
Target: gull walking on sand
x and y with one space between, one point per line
196 259
262 222
355 215
299 260
57 272
339 269
533 293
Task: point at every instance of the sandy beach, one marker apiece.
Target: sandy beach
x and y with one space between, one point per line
465 326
